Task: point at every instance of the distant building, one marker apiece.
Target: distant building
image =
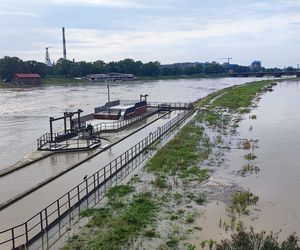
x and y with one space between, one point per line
255 65
27 79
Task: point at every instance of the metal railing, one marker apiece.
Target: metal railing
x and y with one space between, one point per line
27 232
118 125
173 105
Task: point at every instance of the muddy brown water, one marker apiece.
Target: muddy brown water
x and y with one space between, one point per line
277 129
25 112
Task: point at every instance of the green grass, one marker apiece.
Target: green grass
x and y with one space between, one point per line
114 230
241 96
241 201
119 191
63 80
250 157
125 217
251 240
180 155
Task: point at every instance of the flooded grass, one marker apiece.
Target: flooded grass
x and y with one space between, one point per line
249 169
241 201
180 155
113 230
258 241
173 174
250 157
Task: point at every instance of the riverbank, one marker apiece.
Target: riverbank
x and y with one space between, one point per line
52 81
49 81
175 185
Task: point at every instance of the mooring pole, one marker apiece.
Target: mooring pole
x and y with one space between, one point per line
51 129
108 96
65 122
71 127
79 111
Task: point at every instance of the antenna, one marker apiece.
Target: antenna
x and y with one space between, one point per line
47 58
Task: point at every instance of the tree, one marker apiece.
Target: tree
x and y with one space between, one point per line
9 66
151 69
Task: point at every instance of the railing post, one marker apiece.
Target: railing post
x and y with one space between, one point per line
69 200
104 175
78 194
26 232
13 238
46 217
41 221
86 186
58 209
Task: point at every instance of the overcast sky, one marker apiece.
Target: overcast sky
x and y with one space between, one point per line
148 30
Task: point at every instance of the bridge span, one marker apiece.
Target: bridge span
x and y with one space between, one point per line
262 74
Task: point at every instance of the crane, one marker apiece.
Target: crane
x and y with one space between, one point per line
227 58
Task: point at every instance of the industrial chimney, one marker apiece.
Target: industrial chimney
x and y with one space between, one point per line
64 43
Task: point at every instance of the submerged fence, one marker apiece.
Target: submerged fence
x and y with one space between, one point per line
29 231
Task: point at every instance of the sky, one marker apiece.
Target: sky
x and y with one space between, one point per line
167 31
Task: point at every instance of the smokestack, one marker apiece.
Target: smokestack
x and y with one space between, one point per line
64 43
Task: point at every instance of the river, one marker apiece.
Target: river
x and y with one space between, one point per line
276 130
25 112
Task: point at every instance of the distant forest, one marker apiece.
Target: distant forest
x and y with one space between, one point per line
66 68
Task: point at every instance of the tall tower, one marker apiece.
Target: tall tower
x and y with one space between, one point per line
64 43
47 58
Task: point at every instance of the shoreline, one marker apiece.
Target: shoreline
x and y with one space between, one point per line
176 180
56 81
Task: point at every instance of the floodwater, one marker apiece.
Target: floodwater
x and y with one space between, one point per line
25 112
277 183
41 198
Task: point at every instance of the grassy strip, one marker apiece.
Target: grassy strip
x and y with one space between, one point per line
242 96
124 218
63 80
110 228
180 156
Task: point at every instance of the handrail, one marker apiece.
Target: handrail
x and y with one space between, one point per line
28 230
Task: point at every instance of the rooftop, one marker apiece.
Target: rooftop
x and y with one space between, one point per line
27 75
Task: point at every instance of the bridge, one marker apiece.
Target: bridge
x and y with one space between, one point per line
262 74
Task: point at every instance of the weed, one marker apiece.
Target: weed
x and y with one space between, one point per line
241 200
178 196
191 247
250 168
190 218
258 241
250 157
200 198
151 233
246 144
119 191
174 217
160 182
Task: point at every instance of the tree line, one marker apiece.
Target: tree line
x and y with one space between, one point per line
67 68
